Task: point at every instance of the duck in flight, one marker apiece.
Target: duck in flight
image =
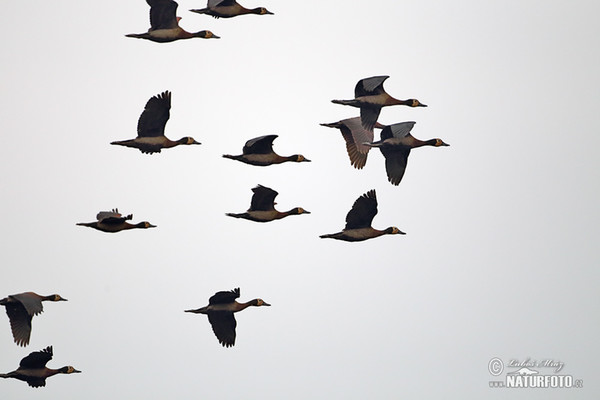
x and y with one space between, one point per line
220 309
395 145
21 308
229 9
370 97
259 151
151 127
358 221
164 24
262 207
32 369
113 221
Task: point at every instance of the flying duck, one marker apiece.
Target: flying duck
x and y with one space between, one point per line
220 309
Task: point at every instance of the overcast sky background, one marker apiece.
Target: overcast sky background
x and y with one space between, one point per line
501 253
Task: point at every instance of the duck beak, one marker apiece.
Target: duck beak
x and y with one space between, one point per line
76 371
63 299
422 105
215 36
266 304
306 160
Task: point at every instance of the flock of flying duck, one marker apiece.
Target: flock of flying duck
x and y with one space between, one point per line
369 96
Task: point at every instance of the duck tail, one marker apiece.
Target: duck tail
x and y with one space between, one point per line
234 215
136 35
200 10
345 102
331 124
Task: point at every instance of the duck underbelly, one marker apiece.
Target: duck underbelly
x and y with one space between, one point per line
263 216
226 12
165 35
260 159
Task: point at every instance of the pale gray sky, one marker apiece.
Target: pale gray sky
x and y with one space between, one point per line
501 253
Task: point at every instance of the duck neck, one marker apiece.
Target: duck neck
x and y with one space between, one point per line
243 306
391 101
421 143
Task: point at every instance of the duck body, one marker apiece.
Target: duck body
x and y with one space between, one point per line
164 24
361 234
262 207
33 370
259 152
220 310
370 97
151 145
395 145
358 221
21 308
113 221
151 127
229 9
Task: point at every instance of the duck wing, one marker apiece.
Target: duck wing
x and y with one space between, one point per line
162 14
370 86
400 130
260 145
20 323
37 359
369 115
396 158
153 119
263 199
224 297
112 217
363 211
220 3
223 324
30 301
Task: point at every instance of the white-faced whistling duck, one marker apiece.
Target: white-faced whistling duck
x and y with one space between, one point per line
359 219
395 144
259 151
228 9
20 309
32 369
220 311
355 136
113 221
151 127
164 24
262 207
370 97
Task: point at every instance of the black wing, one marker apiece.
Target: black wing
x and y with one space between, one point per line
263 199
20 323
260 145
223 325
363 211
224 297
36 382
395 162
37 359
155 116
370 86
162 14
221 3
369 115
